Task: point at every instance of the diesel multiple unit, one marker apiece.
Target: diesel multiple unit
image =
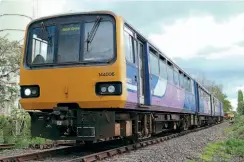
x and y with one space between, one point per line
91 76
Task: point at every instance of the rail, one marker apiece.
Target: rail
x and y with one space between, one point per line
6 146
99 155
109 153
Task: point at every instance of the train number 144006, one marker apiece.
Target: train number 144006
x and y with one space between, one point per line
107 74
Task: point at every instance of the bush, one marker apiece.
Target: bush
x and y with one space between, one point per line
16 129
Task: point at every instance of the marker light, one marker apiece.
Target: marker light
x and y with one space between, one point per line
34 91
103 89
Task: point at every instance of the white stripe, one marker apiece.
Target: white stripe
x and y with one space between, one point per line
160 87
131 87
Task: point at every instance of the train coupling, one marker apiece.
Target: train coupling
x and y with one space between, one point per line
62 116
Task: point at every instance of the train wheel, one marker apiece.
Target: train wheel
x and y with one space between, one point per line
185 125
129 140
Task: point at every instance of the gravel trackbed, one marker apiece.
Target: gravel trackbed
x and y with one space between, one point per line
181 149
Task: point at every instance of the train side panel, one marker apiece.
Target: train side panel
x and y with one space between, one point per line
196 96
160 93
216 107
203 101
207 104
190 100
222 109
166 96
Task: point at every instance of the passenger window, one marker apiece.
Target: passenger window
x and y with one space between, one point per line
170 73
163 71
185 83
154 67
189 84
129 48
181 79
176 77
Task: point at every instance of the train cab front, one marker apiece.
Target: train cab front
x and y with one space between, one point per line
71 75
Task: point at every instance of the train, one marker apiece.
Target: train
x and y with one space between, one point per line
91 76
229 115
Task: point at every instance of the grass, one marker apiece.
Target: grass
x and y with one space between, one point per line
25 142
232 147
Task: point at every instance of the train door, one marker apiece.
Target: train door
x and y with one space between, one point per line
141 71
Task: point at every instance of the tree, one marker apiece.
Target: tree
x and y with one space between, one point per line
240 96
10 55
240 104
217 91
227 105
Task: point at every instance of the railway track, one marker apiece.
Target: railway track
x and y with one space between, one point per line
52 145
38 155
100 152
6 146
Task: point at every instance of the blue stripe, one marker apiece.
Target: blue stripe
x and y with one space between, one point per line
148 97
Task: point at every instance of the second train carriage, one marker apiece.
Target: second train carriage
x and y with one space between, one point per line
92 76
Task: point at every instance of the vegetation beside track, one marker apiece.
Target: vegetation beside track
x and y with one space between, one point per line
16 129
14 122
232 148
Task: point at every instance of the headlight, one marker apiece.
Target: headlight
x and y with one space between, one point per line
109 88
29 91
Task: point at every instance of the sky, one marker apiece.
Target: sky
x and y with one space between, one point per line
205 38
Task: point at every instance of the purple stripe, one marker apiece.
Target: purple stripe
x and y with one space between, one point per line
133 106
171 98
132 97
172 101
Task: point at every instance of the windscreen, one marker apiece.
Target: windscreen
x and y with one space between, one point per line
42 45
69 43
88 40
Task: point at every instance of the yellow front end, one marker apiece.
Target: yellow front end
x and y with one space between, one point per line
76 84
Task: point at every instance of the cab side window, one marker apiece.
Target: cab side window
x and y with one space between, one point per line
129 47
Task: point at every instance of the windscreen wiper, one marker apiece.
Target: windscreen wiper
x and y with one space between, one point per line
93 31
45 29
